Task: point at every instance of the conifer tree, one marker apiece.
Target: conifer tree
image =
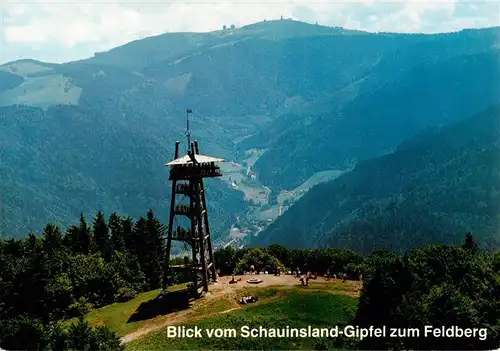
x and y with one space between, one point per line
52 239
101 235
469 242
127 225
139 246
156 243
117 240
78 238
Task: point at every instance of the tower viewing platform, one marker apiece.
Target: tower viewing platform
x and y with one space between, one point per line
194 166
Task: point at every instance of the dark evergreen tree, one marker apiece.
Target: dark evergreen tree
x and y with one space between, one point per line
156 243
33 246
138 241
381 295
78 238
117 238
225 260
52 239
14 247
70 238
129 237
469 242
85 237
32 274
101 236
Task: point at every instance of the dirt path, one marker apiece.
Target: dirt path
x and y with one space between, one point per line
220 289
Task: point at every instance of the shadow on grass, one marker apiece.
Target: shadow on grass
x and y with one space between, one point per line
163 304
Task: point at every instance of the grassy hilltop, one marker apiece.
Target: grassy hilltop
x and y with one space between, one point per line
294 307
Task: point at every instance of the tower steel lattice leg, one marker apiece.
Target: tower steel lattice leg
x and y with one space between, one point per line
166 269
169 237
201 237
212 269
192 217
207 229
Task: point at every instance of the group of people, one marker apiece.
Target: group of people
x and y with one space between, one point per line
304 278
277 271
342 276
253 271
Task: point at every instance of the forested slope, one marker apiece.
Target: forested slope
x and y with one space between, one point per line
433 188
369 123
53 169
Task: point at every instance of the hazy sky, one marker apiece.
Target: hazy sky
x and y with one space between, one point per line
60 31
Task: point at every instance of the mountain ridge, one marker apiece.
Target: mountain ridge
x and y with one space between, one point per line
333 30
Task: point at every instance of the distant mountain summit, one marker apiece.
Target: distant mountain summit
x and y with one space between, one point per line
140 53
288 28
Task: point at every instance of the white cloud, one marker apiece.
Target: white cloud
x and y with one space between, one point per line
66 30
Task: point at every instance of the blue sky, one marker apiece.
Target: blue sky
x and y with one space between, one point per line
61 31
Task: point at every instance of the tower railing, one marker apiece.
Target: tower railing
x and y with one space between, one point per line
183 210
191 171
